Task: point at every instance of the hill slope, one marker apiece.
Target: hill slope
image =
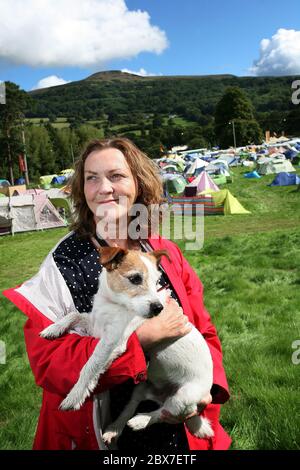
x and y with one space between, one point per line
115 92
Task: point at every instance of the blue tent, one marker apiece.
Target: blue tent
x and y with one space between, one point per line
58 180
20 181
290 154
285 179
253 174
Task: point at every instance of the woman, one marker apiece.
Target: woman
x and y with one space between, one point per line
108 173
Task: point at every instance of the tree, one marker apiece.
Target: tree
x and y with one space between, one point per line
157 122
11 115
234 120
40 152
293 121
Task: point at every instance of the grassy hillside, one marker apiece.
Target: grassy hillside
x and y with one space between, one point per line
249 266
116 93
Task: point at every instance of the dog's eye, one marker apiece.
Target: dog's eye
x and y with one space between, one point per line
136 279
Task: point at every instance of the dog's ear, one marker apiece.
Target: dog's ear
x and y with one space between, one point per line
111 256
157 254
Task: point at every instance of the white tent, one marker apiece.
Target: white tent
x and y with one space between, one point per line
29 212
195 166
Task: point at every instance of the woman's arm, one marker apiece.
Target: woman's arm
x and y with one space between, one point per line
56 364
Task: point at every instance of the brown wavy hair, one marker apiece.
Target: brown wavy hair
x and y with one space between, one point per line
143 169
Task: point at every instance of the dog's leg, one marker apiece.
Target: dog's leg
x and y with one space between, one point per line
174 404
177 405
65 324
89 375
106 351
115 429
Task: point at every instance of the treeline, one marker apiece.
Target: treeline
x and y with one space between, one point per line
49 149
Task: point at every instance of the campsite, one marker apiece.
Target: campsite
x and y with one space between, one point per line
249 266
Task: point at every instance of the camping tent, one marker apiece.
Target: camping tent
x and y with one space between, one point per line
198 205
68 173
285 179
275 166
217 168
174 183
225 199
194 168
253 174
219 179
58 180
13 190
202 182
45 181
170 168
29 212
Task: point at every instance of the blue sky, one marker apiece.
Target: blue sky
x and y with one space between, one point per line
71 39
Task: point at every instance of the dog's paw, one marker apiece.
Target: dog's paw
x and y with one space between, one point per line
111 435
50 332
92 385
73 400
200 427
139 422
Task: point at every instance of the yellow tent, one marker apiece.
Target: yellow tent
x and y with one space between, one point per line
226 199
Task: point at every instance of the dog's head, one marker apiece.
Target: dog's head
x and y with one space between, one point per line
132 279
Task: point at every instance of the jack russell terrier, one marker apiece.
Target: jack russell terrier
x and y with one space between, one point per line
180 369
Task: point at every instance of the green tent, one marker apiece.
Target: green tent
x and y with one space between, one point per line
46 179
219 179
175 184
226 199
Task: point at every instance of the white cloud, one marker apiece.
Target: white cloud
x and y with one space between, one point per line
47 82
142 72
279 55
74 32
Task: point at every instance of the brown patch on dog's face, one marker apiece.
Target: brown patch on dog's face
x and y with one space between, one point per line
130 276
111 256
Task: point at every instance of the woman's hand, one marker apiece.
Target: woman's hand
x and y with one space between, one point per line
170 419
170 323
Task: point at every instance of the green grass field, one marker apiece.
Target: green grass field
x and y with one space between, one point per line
249 266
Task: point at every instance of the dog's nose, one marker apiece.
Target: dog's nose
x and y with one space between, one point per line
155 308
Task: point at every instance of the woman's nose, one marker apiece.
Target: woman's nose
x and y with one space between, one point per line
105 186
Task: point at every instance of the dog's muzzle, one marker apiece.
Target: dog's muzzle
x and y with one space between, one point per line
155 309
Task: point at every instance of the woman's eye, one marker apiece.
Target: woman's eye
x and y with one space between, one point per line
136 279
117 176
89 178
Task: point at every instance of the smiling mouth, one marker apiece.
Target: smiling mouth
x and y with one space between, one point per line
106 202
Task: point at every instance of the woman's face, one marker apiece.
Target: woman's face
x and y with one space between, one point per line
108 182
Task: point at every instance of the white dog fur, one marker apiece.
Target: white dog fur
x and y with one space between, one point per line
179 371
